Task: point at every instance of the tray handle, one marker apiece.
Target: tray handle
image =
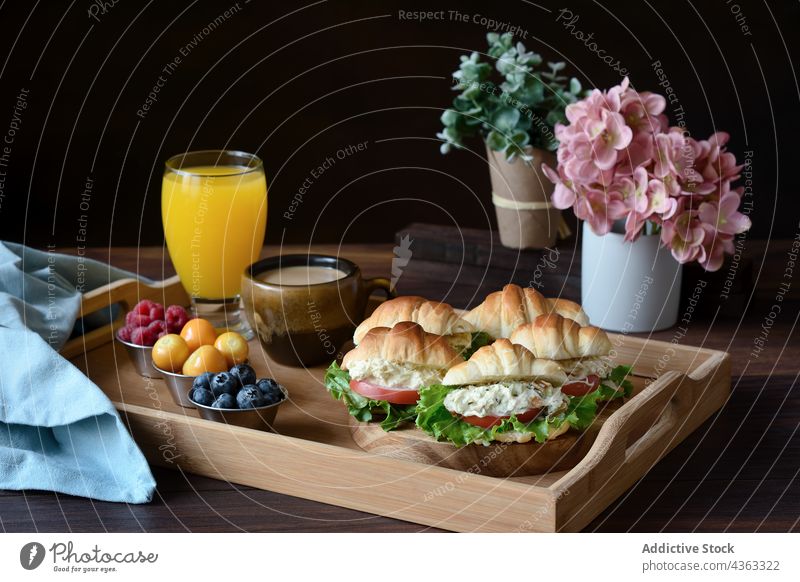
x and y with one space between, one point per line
640 433
126 293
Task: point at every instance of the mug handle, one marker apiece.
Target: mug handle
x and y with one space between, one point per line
381 283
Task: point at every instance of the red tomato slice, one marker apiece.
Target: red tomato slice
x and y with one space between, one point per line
490 421
393 395
581 388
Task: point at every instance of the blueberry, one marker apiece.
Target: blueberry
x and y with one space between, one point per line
259 402
267 385
203 381
202 396
271 390
273 397
250 397
244 374
224 383
224 401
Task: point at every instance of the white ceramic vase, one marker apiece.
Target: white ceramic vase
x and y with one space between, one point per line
629 287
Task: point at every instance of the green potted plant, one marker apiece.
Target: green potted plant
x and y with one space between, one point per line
514 106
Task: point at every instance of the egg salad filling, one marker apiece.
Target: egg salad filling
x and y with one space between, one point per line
504 399
449 413
496 410
580 368
393 374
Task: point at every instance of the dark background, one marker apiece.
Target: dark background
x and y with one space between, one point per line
296 82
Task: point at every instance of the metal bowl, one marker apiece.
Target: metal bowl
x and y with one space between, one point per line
179 386
142 358
261 418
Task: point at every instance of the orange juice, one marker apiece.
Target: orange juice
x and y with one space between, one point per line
214 220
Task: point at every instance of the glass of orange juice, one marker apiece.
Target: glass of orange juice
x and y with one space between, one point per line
214 210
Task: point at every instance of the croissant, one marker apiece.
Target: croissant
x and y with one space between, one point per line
406 342
433 316
504 311
503 361
554 337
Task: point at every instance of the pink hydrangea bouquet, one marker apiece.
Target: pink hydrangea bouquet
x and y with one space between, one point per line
619 159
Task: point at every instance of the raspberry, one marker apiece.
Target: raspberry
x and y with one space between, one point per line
158 327
143 307
157 311
143 336
176 318
124 333
134 319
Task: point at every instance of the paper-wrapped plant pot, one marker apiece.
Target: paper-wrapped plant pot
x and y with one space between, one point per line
521 197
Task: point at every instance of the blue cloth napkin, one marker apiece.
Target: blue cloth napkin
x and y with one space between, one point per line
58 431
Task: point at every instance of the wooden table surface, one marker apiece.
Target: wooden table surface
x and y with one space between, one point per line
738 472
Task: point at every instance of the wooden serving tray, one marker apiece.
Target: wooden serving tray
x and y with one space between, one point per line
314 456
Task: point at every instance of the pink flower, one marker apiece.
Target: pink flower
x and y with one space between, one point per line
638 153
661 202
579 164
643 111
724 216
577 111
633 226
684 235
669 154
633 191
610 136
710 166
563 196
713 163
619 159
715 246
593 208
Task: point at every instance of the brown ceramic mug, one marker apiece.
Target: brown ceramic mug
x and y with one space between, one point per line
303 319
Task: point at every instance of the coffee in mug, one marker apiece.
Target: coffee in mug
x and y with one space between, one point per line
302 275
305 307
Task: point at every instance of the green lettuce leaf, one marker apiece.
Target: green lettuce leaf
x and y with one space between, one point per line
609 387
436 420
479 339
540 427
337 381
582 410
395 414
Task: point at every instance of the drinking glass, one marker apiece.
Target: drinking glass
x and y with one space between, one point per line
214 211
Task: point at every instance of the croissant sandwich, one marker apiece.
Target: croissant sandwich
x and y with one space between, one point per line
581 351
503 393
382 376
504 311
432 316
